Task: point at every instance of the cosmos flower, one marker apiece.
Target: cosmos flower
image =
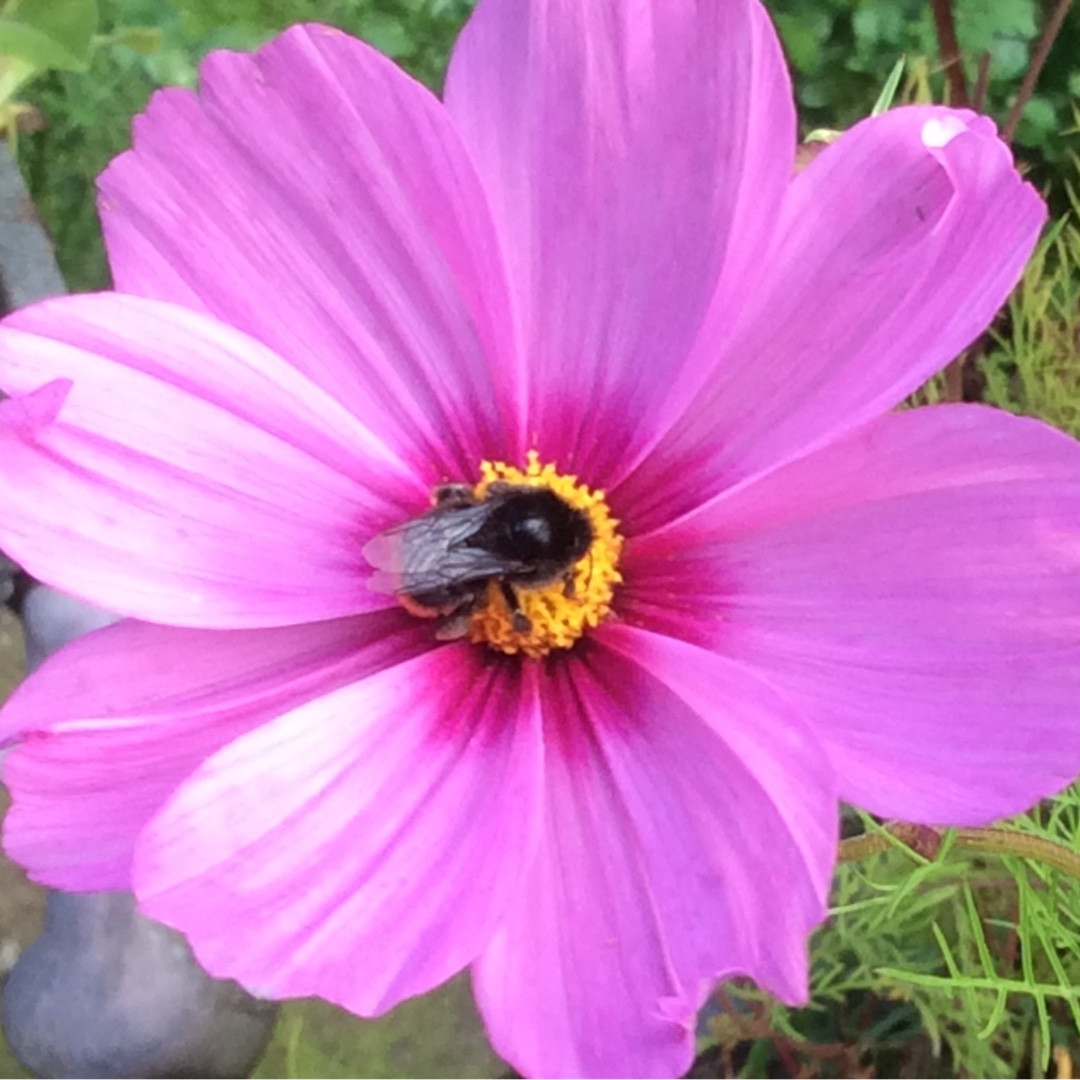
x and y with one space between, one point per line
588 269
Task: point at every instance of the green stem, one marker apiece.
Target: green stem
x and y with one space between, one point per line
992 841
1026 846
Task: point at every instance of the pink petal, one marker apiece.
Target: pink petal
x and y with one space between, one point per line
363 847
635 156
914 591
116 721
689 833
318 198
187 475
892 254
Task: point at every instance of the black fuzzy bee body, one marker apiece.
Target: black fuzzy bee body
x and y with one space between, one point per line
441 563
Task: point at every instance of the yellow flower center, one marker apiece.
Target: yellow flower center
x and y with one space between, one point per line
560 611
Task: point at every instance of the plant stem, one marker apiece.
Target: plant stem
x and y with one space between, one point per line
954 378
992 841
952 62
1014 842
1031 76
982 82
945 25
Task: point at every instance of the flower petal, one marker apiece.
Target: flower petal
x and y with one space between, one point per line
363 847
186 475
316 197
113 724
894 250
635 156
689 833
914 590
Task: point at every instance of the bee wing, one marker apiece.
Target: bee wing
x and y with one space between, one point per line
386 554
429 553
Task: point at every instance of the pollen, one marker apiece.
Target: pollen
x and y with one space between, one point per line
561 611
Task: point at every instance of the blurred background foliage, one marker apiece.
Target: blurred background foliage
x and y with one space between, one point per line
841 49
841 52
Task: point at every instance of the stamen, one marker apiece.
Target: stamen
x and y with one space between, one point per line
558 612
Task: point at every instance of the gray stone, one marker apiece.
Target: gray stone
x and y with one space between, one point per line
106 992
28 270
51 619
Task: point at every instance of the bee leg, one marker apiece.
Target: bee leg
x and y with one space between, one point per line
452 627
520 621
570 587
454 624
569 584
454 496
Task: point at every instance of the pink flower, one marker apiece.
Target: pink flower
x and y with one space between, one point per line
335 293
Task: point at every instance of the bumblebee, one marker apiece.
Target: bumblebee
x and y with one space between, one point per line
441 563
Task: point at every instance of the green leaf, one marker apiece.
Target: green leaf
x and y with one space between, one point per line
146 40
1010 57
1039 122
888 91
13 73
386 33
49 33
802 41
878 21
822 135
